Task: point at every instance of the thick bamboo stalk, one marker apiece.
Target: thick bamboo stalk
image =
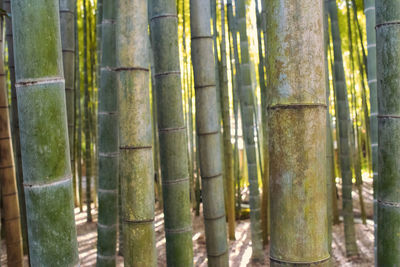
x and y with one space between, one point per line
172 133
135 133
226 121
15 126
388 73
44 133
344 132
108 142
208 132
10 204
246 98
297 113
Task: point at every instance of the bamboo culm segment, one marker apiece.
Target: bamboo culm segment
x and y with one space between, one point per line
388 73
10 204
297 134
208 131
67 17
172 133
226 122
15 125
135 133
343 115
44 133
246 98
108 142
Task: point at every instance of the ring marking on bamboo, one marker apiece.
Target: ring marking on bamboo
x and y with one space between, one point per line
176 181
388 23
167 73
166 130
132 69
204 86
388 116
201 37
10 194
373 114
39 81
374 145
107 112
371 46
11 219
2 74
134 147
166 15
5 138
297 106
298 262
139 221
109 155
105 257
108 21
69 89
369 9
68 50
217 255
106 226
207 133
108 191
211 177
388 203
63 180
67 11
178 230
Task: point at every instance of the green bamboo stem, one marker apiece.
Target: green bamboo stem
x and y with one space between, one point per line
344 132
388 197
297 113
15 126
226 121
172 133
10 204
208 132
246 99
135 134
44 133
235 84
108 142
67 18
88 155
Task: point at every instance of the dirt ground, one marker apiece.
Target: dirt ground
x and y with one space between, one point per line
240 249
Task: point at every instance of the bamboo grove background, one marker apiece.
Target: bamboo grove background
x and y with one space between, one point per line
239 34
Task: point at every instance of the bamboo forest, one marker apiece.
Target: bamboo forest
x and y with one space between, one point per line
187 133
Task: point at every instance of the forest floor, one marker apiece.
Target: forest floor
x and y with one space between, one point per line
240 249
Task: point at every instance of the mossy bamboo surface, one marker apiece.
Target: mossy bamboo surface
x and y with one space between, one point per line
10 204
172 133
388 76
343 116
226 122
44 133
208 132
108 142
248 116
369 11
15 125
135 134
67 18
297 113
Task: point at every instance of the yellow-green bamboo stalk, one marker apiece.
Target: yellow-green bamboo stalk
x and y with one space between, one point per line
135 133
297 113
44 134
208 132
